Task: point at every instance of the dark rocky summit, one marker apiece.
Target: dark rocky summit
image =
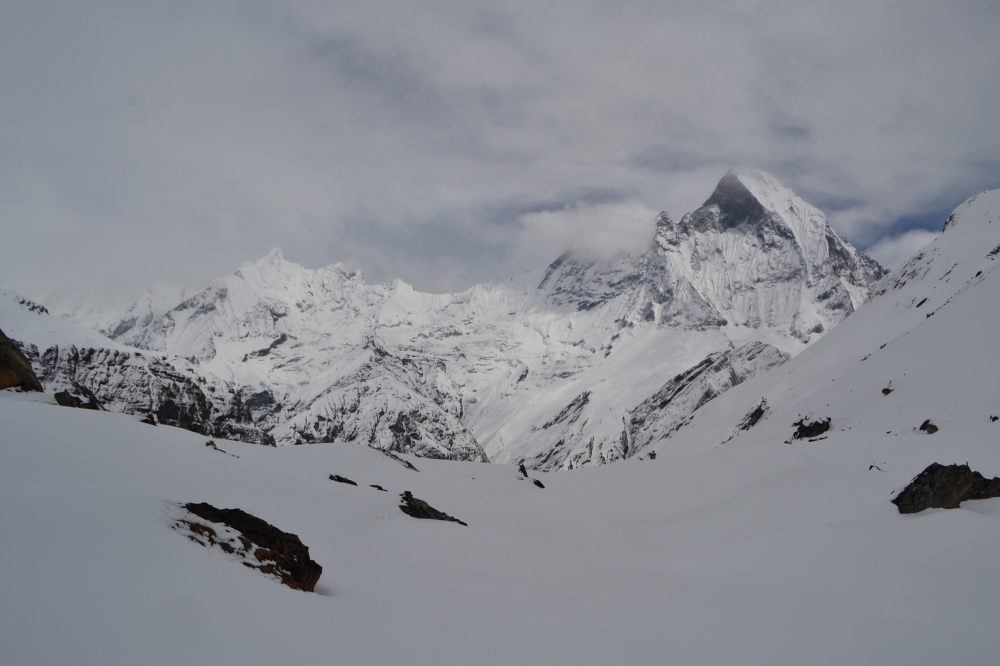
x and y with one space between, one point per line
945 487
418 508
15 369
280 554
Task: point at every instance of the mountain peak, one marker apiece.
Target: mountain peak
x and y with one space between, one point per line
737 204
275 256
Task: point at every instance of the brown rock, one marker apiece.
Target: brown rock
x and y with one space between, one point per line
15 369
280 553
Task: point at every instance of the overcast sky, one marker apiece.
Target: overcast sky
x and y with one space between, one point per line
447 143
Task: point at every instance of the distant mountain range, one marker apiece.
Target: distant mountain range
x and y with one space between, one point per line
581 363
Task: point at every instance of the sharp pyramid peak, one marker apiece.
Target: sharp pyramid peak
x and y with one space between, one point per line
757 196
273 260
275 256
735 202
271 270
734 187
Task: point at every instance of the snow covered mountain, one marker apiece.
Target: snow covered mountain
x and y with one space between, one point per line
754 254
66 356
786 546
110 316
562 368
920 350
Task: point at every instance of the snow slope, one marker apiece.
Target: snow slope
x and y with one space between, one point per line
929 329
732 546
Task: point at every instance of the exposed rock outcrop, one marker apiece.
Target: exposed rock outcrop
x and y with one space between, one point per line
277 553
342 479
945 487
140 384
15 368
806 429
928 427
68 399
418 508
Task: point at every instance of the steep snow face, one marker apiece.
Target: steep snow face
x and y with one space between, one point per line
763 256
545 369
921 349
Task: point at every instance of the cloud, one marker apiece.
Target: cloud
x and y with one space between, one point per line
892 252
173 141
595 231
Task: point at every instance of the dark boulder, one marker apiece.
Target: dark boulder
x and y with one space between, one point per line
945 487
928 427
279 553
342 479
538 483
68 399
806 430
982 488
751 419
15 369
418 508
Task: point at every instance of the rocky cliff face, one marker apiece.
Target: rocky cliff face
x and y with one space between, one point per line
133 383
557 369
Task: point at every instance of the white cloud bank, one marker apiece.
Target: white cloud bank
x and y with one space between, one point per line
596 231
172 141
893 251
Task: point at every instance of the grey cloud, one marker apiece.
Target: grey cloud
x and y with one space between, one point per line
893 251
412 139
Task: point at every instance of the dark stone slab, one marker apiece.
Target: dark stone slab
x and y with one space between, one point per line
342 479
279 553
418 508
807 430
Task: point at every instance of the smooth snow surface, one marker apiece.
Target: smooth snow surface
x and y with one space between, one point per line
731 547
